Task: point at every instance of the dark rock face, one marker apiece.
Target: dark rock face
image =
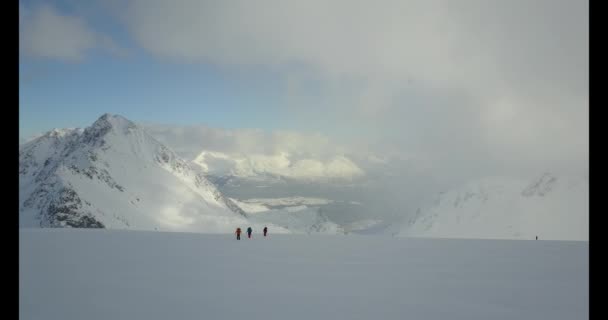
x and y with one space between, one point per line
101 174
201 181
66 211
232 206
540 187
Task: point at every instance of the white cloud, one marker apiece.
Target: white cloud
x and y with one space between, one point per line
189 141
477 83
46 33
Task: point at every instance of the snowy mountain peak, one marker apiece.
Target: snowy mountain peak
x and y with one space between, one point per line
106 124
113 174
114 120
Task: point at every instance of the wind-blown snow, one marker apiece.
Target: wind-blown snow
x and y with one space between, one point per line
72 274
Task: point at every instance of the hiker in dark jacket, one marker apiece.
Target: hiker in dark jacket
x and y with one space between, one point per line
265 230
249 232
238 233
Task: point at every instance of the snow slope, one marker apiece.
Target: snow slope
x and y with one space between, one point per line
550 207
113 274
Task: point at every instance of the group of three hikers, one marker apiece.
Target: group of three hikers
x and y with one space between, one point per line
249 231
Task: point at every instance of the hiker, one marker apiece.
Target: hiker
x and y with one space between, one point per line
238 233
249 232
265 230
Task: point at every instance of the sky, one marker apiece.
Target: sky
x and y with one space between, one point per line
459 88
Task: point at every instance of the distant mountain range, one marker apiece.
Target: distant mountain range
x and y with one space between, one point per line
114 174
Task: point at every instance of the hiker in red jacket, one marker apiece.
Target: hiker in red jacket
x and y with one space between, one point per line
265 230
238 233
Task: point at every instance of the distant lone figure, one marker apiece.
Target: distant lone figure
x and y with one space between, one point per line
536 237
238 233
249 232
265 230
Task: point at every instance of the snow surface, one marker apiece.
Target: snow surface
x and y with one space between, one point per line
115 274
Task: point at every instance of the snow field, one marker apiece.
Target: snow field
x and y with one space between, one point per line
115 274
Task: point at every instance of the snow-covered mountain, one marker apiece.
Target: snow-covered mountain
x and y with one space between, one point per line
550 207
114 175
281 165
